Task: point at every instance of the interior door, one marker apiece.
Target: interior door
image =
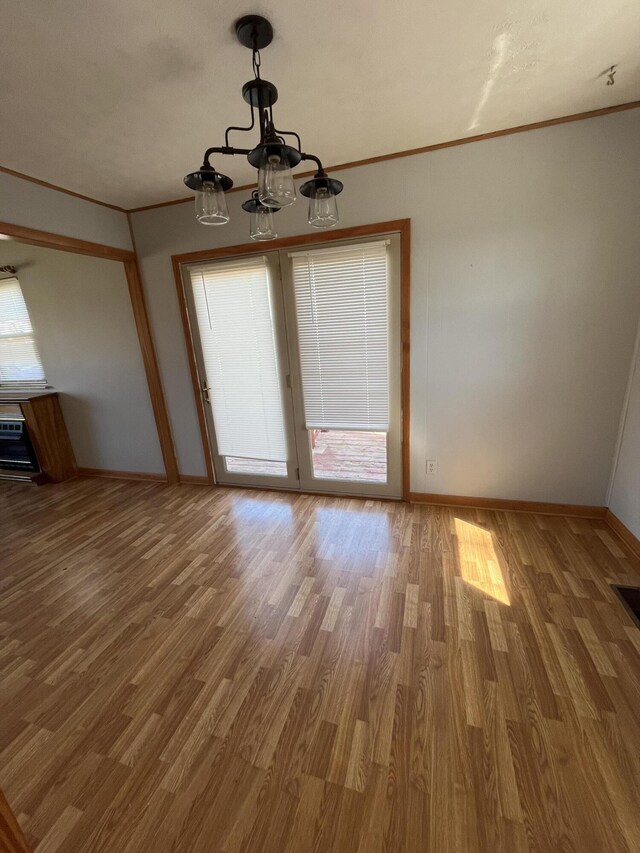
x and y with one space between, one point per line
343 305
237 327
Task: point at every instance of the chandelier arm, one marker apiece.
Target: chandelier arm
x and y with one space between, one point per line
315 159
291 133
244 129
222 149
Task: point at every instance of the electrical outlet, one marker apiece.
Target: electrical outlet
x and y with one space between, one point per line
432 466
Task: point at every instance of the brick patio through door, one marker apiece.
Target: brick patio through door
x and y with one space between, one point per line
337 455
346 455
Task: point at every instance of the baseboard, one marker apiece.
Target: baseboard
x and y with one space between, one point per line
540 507
122 475
194 480
462 501
630 539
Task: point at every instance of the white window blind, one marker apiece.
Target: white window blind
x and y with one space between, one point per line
19 358
233 308
341 297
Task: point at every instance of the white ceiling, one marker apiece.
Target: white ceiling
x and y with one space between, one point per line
117 100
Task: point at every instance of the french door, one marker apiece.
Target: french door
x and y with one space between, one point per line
298 356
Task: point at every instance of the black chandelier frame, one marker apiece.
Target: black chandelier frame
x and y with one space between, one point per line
255 33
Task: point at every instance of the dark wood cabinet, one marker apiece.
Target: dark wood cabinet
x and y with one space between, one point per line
38 414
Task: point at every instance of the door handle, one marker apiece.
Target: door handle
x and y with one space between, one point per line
205 393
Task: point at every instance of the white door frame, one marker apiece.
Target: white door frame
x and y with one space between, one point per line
401 226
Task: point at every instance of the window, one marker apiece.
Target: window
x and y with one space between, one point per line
19 358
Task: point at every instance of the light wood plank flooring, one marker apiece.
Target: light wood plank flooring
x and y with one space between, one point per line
195 669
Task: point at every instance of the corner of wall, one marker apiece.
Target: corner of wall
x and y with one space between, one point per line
623 496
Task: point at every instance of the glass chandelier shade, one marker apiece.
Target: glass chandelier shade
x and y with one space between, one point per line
211 204
261 226
321 191
275 181
323 209
210 199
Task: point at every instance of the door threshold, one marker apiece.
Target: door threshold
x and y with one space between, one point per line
317 494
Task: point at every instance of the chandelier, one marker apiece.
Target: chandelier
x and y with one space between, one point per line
272 157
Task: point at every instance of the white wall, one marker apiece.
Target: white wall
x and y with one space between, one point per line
625 487
83 323
525 299
33 206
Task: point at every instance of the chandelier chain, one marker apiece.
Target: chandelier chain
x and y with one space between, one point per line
255 59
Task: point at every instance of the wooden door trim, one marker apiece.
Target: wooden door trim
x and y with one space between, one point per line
290 242
193 369
400 226
129 259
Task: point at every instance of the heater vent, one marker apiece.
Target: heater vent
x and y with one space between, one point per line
630 597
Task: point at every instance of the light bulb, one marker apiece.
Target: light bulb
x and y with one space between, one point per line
261 225
275 181
323 209
211 204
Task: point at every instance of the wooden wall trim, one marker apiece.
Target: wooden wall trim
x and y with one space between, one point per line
194 480
193 370
136 293
540 507
401 226
121 475
65 244
630 539
12 838
59 189
410 152
152 370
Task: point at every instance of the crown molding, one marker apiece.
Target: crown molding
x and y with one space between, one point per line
59 189
410 152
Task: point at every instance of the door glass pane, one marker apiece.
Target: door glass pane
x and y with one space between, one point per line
342 312
266 467
234 310
349 455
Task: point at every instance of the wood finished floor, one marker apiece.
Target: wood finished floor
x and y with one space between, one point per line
191 669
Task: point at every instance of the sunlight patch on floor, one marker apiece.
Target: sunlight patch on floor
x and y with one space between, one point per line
479 563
